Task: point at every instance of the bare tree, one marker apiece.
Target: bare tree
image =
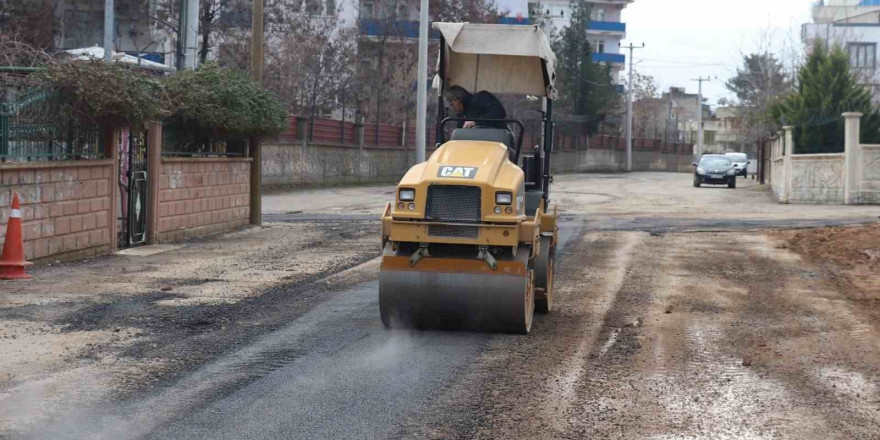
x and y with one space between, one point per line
649 112
32 21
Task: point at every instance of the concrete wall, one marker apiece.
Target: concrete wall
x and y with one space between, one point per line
851 177
200 196
613 160
870 189
290 164
817 178
777 179
66 207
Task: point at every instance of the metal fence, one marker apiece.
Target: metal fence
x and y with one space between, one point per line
33 128
180 141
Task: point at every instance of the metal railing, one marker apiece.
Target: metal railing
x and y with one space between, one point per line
183 142
33 127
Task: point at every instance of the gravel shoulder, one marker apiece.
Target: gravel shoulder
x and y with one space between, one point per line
682 335
119 326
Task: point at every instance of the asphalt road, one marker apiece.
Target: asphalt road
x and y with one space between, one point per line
677 317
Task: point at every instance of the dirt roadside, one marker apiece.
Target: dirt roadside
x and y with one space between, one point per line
117 325
851 253
680 335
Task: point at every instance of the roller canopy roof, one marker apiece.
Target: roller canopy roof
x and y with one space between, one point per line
498 58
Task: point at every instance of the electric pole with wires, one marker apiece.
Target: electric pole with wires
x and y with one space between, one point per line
629 108
699 149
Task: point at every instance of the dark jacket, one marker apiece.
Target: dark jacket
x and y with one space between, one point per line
484 105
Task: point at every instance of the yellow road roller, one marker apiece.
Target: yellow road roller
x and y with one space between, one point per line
469 242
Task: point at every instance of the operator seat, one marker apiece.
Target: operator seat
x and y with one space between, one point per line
501 135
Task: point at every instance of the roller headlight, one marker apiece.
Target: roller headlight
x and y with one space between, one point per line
503 198
731 172
407 195
700 170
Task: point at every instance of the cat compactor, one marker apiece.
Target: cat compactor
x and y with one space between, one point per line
469 242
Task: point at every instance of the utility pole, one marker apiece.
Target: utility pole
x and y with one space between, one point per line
255 148
108 30
181 36
422 93
192 33
699 148
629 108
187 34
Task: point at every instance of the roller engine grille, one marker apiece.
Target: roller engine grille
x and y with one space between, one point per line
453 203
454 231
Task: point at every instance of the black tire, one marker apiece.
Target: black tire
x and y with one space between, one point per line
696 182
544 263
732 183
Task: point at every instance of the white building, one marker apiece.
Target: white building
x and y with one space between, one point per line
606 29
853 25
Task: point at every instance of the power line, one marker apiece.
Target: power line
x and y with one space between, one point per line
688 63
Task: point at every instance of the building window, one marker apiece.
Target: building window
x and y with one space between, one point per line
402 11
598 46
862 55
368 10
708 137
600 15
314 7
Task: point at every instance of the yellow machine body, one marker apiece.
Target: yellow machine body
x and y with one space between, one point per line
474 274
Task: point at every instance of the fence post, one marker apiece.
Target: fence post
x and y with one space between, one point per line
154 173
256 182
853 159
301 128
788 145
359 130
111 151
4 129
403 136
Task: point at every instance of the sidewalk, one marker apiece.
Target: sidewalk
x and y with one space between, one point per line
98 327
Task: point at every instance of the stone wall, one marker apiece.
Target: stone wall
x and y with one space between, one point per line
200 196
614 160
851 177
870 190
291 164
66 207
817 178
777 179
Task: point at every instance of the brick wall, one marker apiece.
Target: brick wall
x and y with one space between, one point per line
65 207
201 196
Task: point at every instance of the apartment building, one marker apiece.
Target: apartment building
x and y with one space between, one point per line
399 18
853 25
606 29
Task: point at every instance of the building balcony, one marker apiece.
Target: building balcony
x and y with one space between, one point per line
606 26
611 58
514 20
393 28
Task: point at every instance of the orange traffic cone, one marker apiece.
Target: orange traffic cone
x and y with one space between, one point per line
12 262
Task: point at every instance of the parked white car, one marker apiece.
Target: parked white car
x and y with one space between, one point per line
740 163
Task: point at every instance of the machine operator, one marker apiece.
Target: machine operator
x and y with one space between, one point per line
482 105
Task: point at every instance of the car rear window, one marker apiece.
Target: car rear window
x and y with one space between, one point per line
737 157
715 162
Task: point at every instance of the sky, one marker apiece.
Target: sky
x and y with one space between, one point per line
686 39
